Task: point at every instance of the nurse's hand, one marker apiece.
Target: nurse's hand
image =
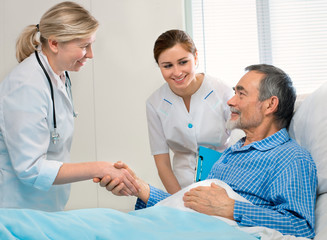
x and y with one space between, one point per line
210 200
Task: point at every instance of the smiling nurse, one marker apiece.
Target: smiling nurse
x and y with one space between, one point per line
188 111
36 113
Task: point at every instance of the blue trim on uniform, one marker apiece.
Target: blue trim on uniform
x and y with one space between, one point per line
208 94
167 101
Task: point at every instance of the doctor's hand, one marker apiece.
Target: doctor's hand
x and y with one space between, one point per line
119 188
210 200
118 177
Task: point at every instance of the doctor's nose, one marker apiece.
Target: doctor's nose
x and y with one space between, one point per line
89 52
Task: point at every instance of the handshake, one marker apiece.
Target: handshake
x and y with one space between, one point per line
122 181
210 200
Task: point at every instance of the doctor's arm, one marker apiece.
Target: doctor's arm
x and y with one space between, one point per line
73 172
148 195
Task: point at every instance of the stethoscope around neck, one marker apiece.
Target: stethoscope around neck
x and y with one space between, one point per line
54 134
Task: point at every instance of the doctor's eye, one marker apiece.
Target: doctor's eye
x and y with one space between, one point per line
85 45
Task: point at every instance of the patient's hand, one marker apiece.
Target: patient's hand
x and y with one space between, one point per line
118 188
117 176
211 200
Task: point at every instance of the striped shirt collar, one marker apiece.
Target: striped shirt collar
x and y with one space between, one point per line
265 144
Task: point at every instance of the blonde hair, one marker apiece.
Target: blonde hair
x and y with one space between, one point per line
63 22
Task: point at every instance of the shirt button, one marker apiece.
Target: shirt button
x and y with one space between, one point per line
190 125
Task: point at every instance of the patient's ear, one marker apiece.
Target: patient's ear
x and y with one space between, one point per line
271 105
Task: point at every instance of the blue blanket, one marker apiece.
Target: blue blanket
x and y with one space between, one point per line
153 223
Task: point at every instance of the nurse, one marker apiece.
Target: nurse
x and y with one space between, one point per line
35 141
188 111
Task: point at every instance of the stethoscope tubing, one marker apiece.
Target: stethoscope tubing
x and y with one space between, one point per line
51 89
54 135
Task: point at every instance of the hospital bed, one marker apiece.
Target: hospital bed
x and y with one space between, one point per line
170 219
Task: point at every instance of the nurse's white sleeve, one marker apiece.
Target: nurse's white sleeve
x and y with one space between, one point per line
157 139
27 135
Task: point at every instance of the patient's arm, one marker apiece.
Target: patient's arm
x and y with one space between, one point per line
210 200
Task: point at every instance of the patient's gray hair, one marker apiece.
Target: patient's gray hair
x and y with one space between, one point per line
277 83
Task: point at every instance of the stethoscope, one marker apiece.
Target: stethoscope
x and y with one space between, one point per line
54 134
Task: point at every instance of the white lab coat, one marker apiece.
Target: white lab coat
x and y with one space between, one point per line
29 161
172 127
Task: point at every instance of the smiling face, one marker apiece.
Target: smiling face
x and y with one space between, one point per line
69 56
246 109
178 68
74 54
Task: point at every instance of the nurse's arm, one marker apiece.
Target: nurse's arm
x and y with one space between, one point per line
74 172
166 173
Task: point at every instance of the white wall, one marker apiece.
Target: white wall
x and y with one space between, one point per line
110 91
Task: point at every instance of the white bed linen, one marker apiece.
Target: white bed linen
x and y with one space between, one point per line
309 128
176 201
321 217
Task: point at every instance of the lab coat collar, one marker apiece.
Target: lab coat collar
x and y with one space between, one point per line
56 80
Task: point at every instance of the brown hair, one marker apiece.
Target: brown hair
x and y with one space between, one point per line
63 22
169 39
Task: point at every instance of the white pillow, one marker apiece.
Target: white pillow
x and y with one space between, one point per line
309 128
321 218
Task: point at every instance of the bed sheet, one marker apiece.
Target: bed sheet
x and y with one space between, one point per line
167 220
158 222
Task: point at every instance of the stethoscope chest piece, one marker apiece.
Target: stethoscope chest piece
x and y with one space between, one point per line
55 136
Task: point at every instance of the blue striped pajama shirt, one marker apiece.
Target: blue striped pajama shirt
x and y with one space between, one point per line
276 175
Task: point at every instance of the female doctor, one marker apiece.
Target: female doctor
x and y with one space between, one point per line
189 110
36 113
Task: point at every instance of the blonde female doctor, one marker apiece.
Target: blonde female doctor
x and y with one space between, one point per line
36 113
188 111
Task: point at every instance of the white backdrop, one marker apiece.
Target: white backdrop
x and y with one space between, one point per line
111 90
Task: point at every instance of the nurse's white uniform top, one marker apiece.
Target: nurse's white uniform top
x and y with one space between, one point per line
29 161
172 127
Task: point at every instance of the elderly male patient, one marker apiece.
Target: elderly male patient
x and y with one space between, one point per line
266 167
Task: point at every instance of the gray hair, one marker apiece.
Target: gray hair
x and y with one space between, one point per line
277 83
